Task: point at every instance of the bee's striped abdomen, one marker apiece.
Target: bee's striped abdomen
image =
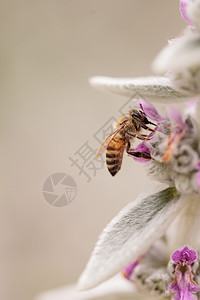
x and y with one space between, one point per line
114 154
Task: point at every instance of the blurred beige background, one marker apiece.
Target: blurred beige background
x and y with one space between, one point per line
48 111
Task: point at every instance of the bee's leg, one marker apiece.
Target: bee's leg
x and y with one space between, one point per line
140 137
137 154
149 122
144 155
147 128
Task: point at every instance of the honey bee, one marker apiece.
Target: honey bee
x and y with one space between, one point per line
127 128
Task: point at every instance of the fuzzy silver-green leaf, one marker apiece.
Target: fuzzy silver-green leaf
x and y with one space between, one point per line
130 234
157 88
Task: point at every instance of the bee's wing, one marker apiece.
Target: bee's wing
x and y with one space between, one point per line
108 140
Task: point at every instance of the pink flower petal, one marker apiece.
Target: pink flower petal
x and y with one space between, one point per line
149 109
180 128
183 10
176 256
127 272
176 117
191 107
174 286
198 165
193 288
198 179
192 103
183 284
185 255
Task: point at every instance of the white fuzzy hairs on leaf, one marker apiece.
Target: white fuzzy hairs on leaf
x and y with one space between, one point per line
153 88
130 234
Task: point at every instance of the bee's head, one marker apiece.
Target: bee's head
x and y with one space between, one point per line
140 116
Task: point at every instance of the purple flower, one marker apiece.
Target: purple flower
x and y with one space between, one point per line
149 110
177 133
184 256
191 106
128 271
198 179
175 116
183 9
183 284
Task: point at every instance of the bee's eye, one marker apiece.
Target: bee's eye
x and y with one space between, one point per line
135 115
140 117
